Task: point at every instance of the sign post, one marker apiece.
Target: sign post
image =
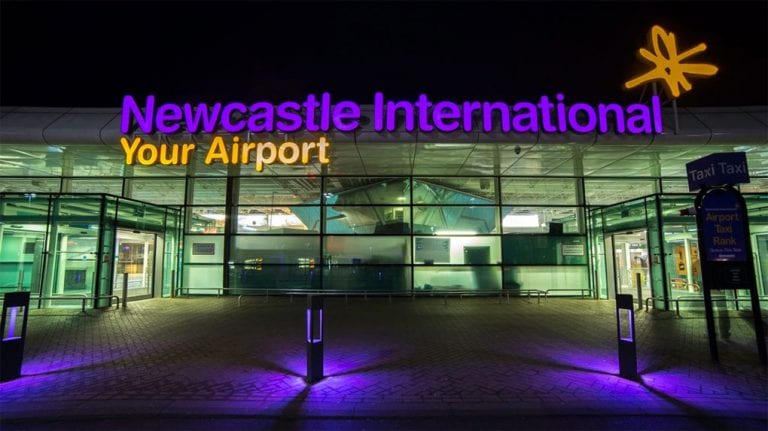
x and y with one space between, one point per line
723 231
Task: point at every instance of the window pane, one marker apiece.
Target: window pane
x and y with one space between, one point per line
27 185
455 220
547 277
27 160
94 161
140 215
629 215
163 191
428 278
455 191
539 191
27 207
302 220
206 219
610 191
368 278
260 277
88 208
457 250
101 185
367 220
358 250
538 249
208 191
366 191
203 249
755 185
256 250
279 191
202 279
542 220
675 185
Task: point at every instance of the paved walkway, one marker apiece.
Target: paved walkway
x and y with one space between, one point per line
205 363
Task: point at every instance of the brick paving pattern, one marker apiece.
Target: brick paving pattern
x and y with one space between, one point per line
472 358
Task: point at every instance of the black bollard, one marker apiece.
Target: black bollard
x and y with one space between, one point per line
314 338
125 291
625 324
12 345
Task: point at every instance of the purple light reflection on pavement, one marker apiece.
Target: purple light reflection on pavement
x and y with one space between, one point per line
295 364
702 395
38 366
589 361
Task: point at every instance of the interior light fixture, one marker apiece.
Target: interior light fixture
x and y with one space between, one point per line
455 232
214 216
520 220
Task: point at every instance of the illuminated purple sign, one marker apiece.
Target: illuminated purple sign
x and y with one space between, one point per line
315 113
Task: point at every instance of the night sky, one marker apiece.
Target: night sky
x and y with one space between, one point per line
91 54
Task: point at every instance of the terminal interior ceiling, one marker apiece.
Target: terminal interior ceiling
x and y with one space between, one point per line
583 215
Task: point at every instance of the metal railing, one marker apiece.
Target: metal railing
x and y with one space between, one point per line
688 298
581 292
180 291
266 293
516 292
84 299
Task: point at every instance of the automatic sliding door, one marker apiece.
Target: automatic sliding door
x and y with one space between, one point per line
630 257
135 256
21 251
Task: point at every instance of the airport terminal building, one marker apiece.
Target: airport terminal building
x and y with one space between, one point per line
405 210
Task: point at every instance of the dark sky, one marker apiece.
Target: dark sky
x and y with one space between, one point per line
91 54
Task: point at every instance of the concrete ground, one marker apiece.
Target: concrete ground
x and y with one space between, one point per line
206 363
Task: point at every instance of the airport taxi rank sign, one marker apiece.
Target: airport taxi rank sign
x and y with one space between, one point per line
720 211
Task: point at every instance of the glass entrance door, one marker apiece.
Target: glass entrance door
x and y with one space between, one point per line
683 266
630 262
135 256
71 266
21 251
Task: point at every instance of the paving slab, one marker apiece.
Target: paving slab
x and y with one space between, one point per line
388 365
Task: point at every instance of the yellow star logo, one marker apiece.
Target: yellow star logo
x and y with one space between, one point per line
670 68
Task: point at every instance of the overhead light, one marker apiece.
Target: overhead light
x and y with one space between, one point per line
260 221
214 216
25 153
455 146
520 220
456 232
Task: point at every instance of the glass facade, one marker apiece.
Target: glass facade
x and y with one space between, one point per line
249 234
75 220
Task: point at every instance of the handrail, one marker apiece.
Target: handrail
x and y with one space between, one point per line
581 291
508 293
364 293
219 290
73 298
690 298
